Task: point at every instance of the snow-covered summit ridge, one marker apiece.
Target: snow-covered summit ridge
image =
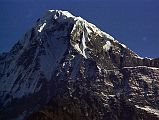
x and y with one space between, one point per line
65 16
60 16
64 13
80 27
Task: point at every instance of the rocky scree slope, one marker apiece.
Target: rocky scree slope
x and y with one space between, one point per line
65 68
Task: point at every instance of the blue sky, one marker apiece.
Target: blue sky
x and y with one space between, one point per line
132 22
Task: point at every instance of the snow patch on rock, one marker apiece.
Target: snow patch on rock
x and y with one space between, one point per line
154 68
109 36
77 48
65 13
124 46
41 27
107 46
84 45
148 109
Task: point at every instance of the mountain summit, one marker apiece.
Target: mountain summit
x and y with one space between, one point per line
66 68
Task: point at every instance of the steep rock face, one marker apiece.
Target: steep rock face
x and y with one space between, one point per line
66 68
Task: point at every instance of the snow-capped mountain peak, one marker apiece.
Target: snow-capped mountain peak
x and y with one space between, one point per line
65 55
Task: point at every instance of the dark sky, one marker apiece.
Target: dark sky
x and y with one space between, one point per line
132 22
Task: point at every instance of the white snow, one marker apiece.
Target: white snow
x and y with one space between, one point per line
154 68
99 69
140 57
107 35
108 84
72 57
41 27
68 14
107 46
103 94
111 95
124 45
63 64
84 45
87 29
148 58
148 109
65 13
52 10
55 17
144 58
64 16
117 72
77 48
79 18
